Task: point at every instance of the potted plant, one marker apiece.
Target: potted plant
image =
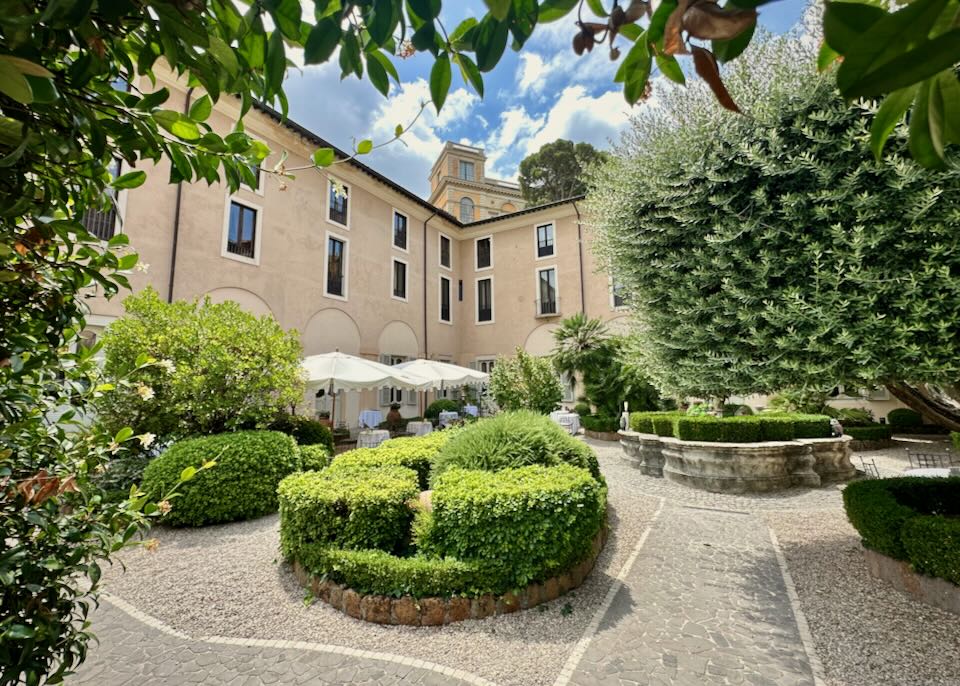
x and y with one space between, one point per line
324 418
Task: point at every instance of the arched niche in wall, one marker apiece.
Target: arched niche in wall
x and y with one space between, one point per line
328 330
540 342
508 207
247 300
397 338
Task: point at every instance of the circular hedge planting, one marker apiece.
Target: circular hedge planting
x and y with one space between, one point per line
491 524
242 485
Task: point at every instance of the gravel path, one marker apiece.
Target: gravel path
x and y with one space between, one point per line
892 461
229 581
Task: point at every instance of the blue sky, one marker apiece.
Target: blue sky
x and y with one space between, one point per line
531 98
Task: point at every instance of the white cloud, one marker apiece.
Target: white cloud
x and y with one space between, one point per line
530 75
579 116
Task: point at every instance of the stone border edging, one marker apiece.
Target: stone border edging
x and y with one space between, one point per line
612 436
436 611
922 588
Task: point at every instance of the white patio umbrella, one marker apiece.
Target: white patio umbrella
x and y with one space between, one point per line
338 371
439 375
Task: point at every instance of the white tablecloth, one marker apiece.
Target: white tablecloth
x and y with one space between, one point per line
941 472
372 438
447 417
568 420
471 410
419 428
370 418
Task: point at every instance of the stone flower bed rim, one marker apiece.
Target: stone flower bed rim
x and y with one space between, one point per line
436 611
636 435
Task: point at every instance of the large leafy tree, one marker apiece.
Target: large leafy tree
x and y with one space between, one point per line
555 171
525 382
771 252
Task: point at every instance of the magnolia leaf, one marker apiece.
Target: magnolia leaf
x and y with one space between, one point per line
498 8
890 113
706 65
826 56
365 146
132 179
551 10
14 84
709 21
670 67
440 78
926 145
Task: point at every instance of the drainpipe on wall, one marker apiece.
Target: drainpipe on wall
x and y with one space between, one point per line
176 218
426 348
583 297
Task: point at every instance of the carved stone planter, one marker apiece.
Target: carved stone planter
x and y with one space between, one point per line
602 435
643 451
739 467
832 458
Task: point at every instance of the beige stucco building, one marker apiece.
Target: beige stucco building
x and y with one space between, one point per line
353 261
459 184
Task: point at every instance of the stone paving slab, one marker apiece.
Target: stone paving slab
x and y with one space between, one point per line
704 603
132 652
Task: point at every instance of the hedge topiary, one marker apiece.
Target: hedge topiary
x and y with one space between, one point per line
440 405
242 485
742 429
416 453
304 430
903 416
314 457
513 439
873 432
582 409
353 507
600 423
517 525
932 545
647 422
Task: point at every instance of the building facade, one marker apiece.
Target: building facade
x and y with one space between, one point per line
354 262
459 185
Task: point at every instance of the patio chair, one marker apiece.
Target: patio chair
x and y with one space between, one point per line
869 468
926 460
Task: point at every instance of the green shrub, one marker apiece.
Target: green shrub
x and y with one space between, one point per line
441 405
314 457
811 426
704 428
875 513
355 507
932 545
304 430
903 416
731 410
416 453
854 416
601 423
659 423
513 439
376 571
243 485
517 525
582 409
874 432
955 439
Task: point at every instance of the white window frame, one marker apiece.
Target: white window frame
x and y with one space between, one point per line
476 255
476 301
479 363
613 303
406 278
556 288
346 266
326 204
440 318
536 241
260 181
393 228
473 170
440 237
258 228
460 209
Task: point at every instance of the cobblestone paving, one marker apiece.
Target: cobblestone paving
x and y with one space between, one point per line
131 652
705 603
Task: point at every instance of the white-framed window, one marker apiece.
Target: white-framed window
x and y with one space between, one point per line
485 364
338 203
400 237
399 283
446 251
483 253
484 295
466 170
242 231
547 298
466 209
104 224
259 175
388 396
446 305
618 298
336 268
545 240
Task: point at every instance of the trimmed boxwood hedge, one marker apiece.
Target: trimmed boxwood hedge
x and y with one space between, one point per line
600 423
305 431
910 518
353 507
441 405
314 457
903 416
514 439
746 429
416 453
873 432
517 525
242 485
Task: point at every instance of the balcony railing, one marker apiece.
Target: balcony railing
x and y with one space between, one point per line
242 248
101 224
547 308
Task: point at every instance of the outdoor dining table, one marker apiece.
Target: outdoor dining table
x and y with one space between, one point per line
419 428
568 420
372 438
935 472
471 410
448 416
370 419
